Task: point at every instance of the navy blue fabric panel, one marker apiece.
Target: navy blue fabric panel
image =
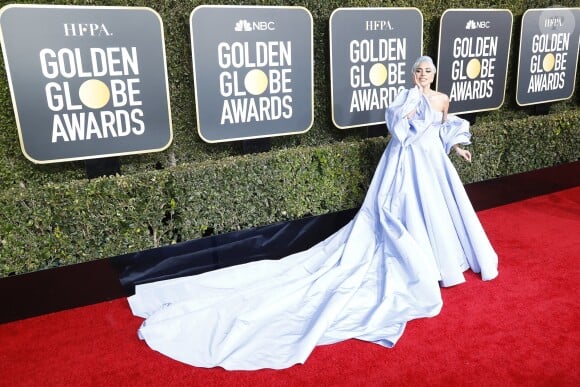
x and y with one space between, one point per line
213 252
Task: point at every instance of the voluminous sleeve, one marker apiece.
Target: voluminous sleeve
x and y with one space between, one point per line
396 119
454 131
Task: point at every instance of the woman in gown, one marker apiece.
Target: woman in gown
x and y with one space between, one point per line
416 231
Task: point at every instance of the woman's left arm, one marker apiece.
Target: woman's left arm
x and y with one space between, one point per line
454 131
464 153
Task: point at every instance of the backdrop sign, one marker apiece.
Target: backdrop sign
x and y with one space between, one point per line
85 83
253 71
548 56
473 54
372 51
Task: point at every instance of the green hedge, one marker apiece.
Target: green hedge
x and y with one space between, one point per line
52 215
62 224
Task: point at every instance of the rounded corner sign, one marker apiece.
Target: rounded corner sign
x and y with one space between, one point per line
253 71
85 83
372 51
474 47
548 55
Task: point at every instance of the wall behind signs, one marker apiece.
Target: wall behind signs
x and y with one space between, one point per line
46 224
187 146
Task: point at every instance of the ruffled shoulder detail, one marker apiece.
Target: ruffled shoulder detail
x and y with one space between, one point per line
454 131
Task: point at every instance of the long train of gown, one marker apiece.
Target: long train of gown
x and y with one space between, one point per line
416 231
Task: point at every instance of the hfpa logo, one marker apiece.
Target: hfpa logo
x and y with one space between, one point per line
86 29
244 25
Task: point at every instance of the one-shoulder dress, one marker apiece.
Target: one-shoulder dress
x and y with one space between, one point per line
415 232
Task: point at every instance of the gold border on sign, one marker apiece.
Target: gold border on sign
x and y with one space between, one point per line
506 58
195 72
12 93
520 59
346 9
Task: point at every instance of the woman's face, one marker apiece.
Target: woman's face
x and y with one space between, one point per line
424 74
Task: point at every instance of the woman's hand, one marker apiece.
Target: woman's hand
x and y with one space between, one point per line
463 153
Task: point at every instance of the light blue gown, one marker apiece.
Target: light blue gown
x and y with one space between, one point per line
416 231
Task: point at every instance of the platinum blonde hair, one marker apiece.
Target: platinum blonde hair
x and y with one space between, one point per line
424 59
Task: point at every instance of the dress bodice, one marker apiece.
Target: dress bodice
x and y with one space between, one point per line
426 126
438 117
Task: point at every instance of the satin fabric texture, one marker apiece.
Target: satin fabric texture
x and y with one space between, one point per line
415 232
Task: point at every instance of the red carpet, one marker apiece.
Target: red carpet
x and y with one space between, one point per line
520 329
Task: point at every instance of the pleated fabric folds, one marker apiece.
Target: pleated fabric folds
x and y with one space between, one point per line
416 231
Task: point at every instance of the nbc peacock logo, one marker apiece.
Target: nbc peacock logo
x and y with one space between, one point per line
475 25
244 25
